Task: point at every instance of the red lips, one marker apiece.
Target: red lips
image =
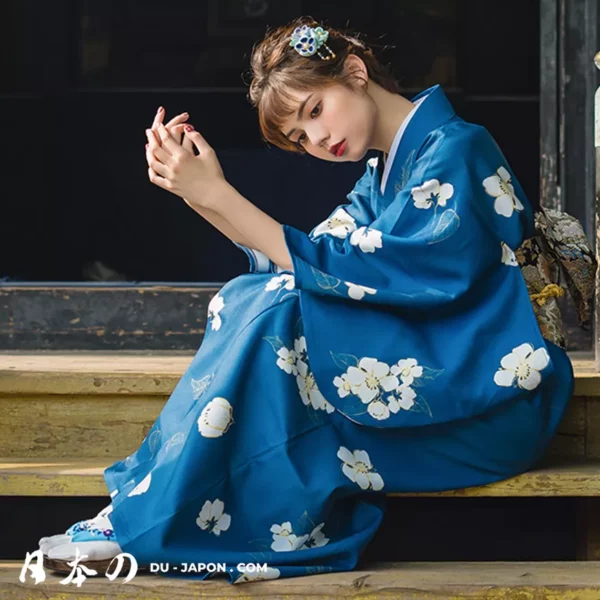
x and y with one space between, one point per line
334 149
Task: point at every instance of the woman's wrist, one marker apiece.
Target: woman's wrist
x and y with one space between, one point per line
212 198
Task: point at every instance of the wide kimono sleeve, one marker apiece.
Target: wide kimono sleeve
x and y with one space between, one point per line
342 219
460 214
259 261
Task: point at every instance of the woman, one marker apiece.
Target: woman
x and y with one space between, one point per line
392 349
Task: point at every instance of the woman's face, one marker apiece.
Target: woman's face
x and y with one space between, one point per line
329 116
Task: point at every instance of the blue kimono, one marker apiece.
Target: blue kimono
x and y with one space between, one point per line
401 354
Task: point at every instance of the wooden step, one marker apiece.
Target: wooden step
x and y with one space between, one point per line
401 581
83 477
127 373
125 393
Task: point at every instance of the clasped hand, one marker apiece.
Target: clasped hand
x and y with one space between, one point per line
173 166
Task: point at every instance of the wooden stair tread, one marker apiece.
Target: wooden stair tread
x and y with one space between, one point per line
84 477
121 372
402 581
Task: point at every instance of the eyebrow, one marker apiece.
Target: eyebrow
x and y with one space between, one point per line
300 109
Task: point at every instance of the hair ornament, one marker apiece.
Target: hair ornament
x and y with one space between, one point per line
307 41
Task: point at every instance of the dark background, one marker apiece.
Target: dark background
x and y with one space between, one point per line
82 79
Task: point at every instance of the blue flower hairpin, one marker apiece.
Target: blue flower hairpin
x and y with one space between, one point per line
307 41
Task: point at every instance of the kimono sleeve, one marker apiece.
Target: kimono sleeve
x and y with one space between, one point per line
347 217
459 216
338 222
259 261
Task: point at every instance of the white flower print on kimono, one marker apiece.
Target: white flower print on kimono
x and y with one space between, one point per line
216 418
508 256
357 292
358 468
369 377
300 350
214 308
500 187
380 411
407 369
287 361
343 384
213 518
309 392
316 538
432 191
406 401
340 224
284 540
366 239
286 280
524 365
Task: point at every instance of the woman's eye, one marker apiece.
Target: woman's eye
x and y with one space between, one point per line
312 113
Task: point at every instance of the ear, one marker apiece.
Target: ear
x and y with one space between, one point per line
355 65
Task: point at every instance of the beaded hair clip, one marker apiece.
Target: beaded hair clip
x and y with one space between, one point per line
307 41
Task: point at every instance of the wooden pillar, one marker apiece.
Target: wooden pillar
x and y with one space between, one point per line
597 218
549 105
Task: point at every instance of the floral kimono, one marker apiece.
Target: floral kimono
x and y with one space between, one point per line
401 354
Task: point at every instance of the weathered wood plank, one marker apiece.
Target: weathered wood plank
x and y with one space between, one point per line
148 373
113 425
108 317
83 477
401 581
133 388
85 426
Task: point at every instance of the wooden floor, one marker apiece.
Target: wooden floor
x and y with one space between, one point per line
401 581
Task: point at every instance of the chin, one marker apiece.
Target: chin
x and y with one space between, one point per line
357 156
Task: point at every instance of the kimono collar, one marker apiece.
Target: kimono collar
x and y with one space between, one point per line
434 110
389 161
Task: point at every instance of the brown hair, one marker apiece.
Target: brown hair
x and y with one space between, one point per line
276 67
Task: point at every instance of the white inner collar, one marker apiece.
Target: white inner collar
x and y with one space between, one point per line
390 159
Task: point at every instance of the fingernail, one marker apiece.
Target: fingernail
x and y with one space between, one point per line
160 109
188 127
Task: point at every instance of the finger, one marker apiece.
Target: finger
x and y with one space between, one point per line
158 180
176 120
197 139
167 140
158 167
176 133
187 143
158 117
161 154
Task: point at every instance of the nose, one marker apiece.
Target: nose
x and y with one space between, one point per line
316 135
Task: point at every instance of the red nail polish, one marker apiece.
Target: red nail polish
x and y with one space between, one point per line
188 127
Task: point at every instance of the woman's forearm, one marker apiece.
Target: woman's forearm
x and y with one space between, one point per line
220 223
264 233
